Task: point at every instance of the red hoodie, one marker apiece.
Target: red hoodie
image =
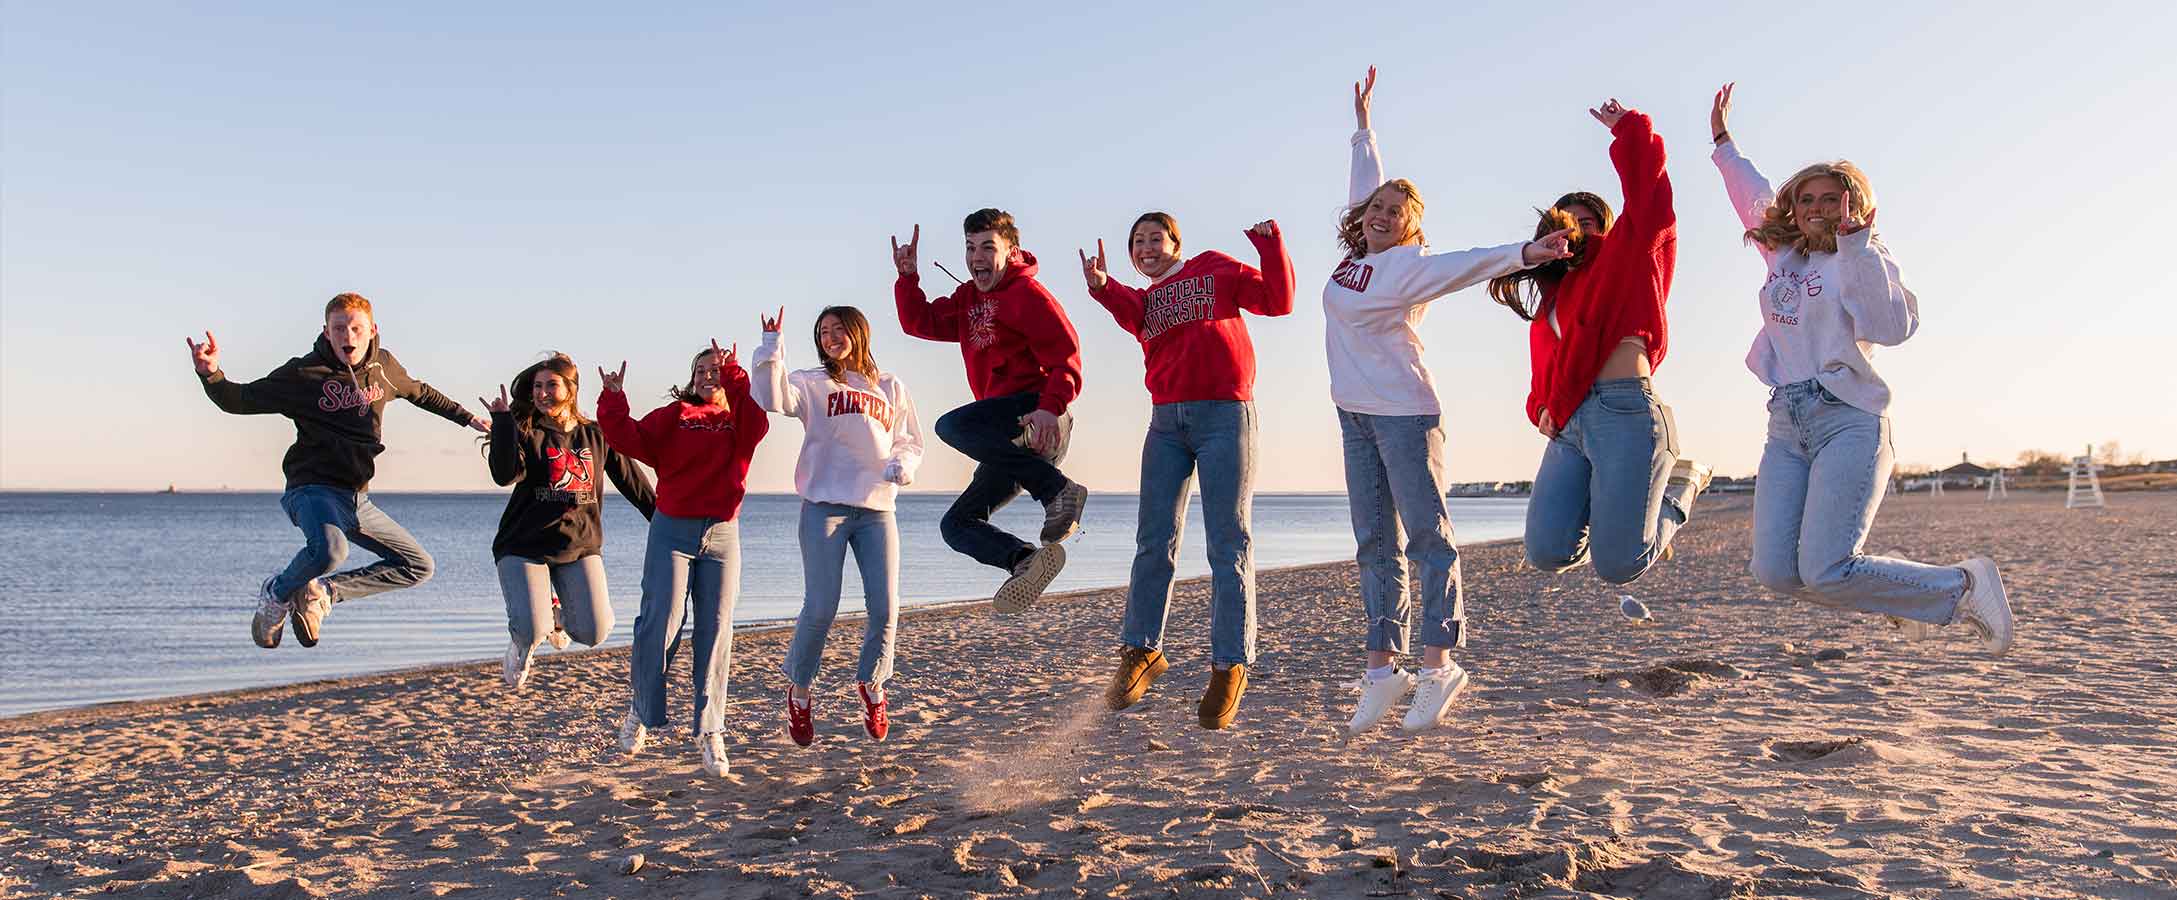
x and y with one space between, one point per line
1620 287
1192 337
701 452
1014 339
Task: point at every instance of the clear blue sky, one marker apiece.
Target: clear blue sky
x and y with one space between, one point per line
503 179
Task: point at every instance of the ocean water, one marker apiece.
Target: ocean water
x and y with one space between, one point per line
128 596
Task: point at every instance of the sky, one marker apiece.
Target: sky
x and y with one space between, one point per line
624 184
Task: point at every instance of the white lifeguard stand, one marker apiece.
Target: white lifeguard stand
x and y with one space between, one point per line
1998 486
2084 491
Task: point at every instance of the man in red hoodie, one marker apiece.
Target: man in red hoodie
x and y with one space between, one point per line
1024 367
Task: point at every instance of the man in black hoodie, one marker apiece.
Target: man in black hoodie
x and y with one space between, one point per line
337 397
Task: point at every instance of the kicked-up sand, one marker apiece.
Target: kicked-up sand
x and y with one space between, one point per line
1741 746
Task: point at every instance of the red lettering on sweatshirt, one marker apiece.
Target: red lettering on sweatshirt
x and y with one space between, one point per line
1178 303
857 403
1353 275
341 395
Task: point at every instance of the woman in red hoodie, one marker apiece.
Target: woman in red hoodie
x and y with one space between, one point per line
1201 376
1611 486
700 445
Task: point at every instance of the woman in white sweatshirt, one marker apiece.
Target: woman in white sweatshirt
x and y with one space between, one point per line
860 443
1831 295
1393 436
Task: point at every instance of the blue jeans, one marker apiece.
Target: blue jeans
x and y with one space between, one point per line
529 585
1823 473
827 531
1394 478
984 431
331 518
1600 492
1218 437
699 559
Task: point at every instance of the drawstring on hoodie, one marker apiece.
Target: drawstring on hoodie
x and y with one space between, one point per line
948 272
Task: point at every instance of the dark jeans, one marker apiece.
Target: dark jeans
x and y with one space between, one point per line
984 431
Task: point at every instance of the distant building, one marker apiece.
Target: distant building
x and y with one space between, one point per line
1965 473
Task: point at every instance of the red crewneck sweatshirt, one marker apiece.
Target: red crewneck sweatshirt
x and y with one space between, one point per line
1013 339
1193 341
701 453
1620 287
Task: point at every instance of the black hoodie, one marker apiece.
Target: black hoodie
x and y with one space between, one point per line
338 410
553 515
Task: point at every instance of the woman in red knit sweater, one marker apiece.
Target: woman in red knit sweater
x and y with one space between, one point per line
1611 486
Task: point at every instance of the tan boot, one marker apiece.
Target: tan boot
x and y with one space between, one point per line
1221 701
1138 668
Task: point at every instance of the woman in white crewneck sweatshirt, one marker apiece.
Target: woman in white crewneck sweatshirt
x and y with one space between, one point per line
1831 295
1388 416
860 443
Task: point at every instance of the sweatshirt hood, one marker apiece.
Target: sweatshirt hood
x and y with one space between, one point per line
1022 264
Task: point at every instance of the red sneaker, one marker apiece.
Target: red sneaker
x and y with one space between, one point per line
873 717
798 724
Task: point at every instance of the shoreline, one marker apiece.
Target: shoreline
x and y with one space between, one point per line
744 629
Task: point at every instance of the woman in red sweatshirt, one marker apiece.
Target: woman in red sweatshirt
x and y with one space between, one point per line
1201 376
1611 486
700 445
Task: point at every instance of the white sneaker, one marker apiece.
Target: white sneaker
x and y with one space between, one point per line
1986 608
1913 629
515 667
1377 699
1433 696
632 733
270 621
713 747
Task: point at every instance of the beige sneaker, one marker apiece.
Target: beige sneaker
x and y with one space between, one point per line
1138 668
1030 577
270 620
1062 516
713 747
633 734
308 608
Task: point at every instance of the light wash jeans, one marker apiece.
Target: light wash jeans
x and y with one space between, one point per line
1395 478
1822 476
333 517
699 559
529 586
1218 437
827 531
1600 493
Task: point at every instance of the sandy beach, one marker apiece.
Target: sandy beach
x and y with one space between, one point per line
1744 745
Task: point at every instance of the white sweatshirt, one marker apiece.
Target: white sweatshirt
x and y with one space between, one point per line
1373 305
860 439
1821 313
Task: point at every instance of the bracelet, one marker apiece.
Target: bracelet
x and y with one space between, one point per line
1723 136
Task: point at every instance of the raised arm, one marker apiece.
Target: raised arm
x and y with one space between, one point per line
1367 173
919 317
1269 290
1883 310
770 386
260 397
621 430
1637 153
749 420
505 455
1750 193
1123 302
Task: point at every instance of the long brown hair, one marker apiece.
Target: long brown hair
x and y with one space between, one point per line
1777 226
685 392
522 393
859 359
1349 222
1541 281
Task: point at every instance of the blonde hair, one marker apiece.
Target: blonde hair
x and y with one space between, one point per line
1778 228
1349 223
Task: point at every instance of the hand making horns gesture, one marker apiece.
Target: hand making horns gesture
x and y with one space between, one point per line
905 259
204 356
1092 267
612 380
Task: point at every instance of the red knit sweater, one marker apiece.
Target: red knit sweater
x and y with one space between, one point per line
1618 290
701 452
1193 340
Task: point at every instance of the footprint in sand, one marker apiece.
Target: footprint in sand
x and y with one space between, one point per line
1673 678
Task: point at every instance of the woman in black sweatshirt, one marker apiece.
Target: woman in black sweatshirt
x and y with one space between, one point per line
552 531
